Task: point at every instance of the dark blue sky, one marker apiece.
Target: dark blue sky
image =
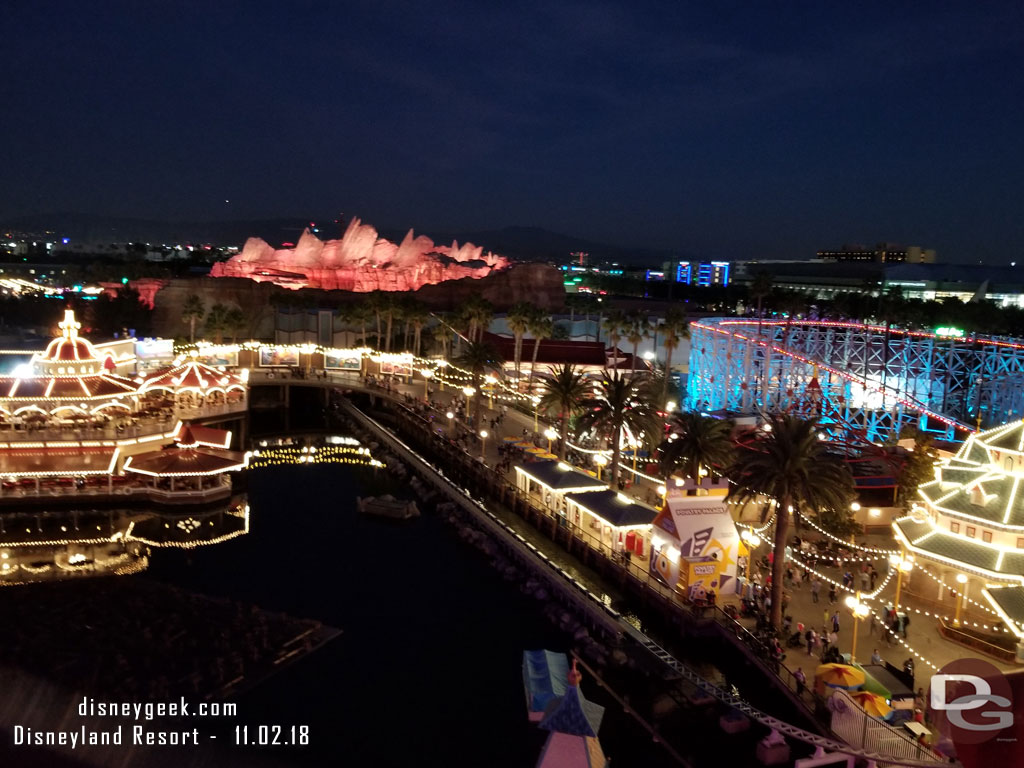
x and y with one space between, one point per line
727 129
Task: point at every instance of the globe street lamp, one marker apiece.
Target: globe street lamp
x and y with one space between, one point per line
451 422
468 392
961 579
753 541
663 493
550 434
483 443
442 364
601 460
490 381
859 611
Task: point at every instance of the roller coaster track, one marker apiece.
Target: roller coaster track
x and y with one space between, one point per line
871 378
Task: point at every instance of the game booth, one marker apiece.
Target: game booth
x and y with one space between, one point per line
695 545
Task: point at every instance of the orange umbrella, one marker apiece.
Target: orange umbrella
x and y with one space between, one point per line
873 704
840 676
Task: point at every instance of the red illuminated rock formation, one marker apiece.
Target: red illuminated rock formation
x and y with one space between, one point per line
361 261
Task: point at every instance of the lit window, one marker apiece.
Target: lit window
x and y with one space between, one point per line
971 530
986 536
954 527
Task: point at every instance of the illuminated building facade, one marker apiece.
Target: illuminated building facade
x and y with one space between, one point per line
75 417
970 526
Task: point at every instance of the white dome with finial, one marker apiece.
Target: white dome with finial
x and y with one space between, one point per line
68 354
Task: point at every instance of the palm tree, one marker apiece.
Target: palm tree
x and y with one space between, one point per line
565 389
476 314
696 442
787 462
192 311
518 321
417 317
375 303
541 327
637 329
621 402
478 357
389 309
217 321
235 322
676 328
614 322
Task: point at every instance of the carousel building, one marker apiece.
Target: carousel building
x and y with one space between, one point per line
77 414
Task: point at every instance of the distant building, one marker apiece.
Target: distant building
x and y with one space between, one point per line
882 253
701 273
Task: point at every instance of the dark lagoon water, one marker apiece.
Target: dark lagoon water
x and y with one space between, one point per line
428 668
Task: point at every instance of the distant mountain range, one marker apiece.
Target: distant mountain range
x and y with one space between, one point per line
520 243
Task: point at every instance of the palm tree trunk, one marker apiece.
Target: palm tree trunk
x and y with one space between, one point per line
533 364
669 349
517 351
192 329
613 477
379 339
635 348
477 404
387 346
564 436
779 560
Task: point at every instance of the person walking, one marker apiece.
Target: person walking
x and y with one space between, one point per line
873 577
835 622
832 594
876 657
809 637
815 589
801 680
864 578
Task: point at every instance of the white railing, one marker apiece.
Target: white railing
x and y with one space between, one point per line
141 427
858 729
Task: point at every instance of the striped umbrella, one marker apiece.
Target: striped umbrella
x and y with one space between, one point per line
510 439
524 444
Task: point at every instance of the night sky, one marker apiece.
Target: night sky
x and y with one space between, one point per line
723 129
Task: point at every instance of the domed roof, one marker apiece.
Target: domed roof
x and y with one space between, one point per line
68 347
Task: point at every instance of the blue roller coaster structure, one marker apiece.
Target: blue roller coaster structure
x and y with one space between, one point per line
869 380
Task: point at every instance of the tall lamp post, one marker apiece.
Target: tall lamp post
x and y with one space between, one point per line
961 579
859 611
536 403
442 364
427 374
663 493
753 541
483 443
490 381
902 565
468 392
600 460
451 422
550 434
